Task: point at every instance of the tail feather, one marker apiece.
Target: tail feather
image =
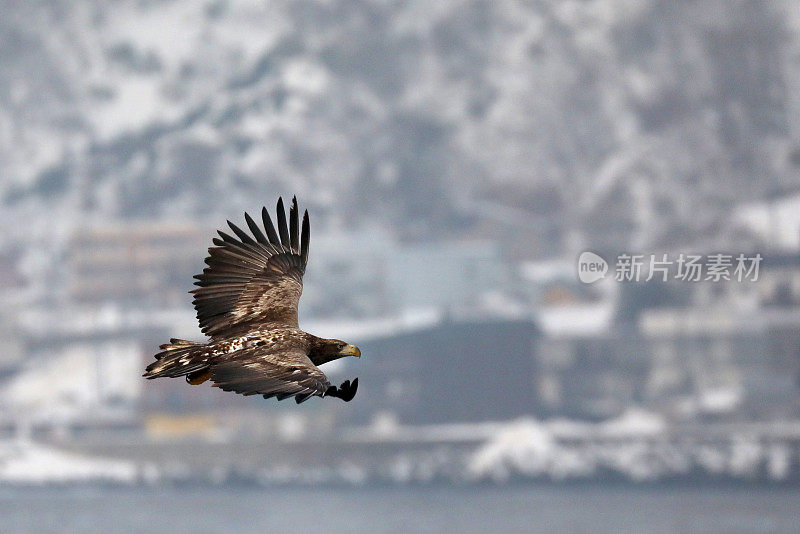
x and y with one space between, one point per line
173 345
178 358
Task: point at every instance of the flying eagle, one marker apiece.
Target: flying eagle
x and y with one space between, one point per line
247 304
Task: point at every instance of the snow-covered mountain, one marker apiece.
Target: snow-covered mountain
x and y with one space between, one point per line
627 122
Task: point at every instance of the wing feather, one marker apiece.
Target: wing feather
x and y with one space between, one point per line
282 229
257 371
260 237
268 226
294 234
251 280
305 238
241 234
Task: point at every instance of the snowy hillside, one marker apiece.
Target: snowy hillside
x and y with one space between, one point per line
599 117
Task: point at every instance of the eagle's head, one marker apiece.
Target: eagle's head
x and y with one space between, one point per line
327 350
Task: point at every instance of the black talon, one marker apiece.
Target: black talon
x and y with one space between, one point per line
346 391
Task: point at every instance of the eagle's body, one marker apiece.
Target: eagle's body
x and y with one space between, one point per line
247 304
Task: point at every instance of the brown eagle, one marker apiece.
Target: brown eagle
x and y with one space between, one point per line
247 304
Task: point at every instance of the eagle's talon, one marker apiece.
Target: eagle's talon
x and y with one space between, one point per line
346 390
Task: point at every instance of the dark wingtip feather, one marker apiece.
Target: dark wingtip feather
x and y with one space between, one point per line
282 229
241 234
255 229
304 238
228 238
294 230
269 227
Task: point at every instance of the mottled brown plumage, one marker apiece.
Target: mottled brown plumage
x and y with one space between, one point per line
246 303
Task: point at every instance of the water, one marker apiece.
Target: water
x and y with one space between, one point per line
466 510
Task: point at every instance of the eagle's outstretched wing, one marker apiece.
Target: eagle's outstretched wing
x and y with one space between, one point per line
255 371
255 279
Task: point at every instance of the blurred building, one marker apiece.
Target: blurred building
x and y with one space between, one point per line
445 274
595 376
455 371
370 273
735 350
135 263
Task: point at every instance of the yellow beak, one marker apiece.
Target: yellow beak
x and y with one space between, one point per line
351 350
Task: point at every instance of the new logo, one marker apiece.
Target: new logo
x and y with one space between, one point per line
591 267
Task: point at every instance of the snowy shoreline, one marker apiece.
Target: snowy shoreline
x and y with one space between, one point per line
637 449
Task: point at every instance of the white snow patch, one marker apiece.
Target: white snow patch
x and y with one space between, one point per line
579 319
524 447
26 462
634 422
777 222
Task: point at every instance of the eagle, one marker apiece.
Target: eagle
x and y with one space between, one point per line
246 304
